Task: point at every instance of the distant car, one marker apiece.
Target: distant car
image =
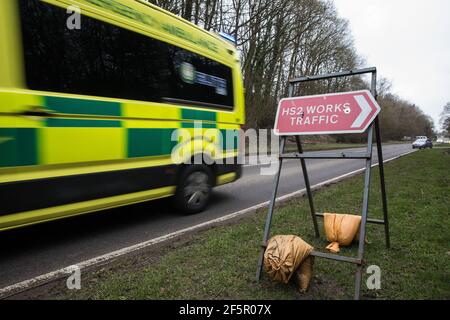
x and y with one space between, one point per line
422 143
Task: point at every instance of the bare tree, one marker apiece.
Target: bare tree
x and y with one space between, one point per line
281 39
444 119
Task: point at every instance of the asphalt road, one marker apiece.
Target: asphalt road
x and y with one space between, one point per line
35 250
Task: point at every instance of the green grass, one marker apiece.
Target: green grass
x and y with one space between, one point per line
313 146
292 147
326 146
331 146
221 263
441 145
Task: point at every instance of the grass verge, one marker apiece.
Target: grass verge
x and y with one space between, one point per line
326 146
312 146
220 263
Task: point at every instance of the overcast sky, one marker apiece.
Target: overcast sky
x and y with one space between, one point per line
409 42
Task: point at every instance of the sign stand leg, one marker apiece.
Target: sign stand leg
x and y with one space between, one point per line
365 207
383 185
270 212
308 188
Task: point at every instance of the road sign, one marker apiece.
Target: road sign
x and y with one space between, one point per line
336 113
330 114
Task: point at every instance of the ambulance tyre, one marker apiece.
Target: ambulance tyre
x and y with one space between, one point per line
194 188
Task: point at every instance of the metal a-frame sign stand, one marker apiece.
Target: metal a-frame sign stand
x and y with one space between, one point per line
367 156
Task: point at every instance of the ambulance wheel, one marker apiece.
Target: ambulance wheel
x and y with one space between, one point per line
194 189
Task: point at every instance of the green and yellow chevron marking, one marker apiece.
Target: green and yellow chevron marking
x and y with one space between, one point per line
18 147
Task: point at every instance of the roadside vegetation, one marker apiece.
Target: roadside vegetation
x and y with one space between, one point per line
313 146
444 121
317 145
292 147
221 263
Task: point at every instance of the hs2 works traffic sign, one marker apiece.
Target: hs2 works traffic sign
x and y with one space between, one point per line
336 113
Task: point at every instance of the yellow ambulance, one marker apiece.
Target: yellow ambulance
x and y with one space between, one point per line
91 93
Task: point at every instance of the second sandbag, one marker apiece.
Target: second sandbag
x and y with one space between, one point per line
341 229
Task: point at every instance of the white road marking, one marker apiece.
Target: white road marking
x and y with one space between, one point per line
41 279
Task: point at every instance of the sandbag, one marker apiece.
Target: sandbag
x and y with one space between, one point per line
341 229
303 274
284 255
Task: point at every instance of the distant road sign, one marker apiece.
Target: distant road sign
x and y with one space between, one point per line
336 113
